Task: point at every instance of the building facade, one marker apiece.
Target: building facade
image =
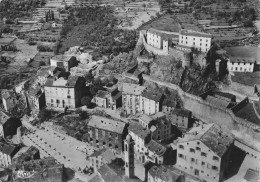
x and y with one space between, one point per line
108 99
36 98
151 102
64 62
159 126
7 152
101 157
204 152
9 99
131 98
106 133
63 93
198 40
145 148
181 118
241 64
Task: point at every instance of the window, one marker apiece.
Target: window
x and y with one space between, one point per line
215 168
193 43
192 160
192 150
180 156
51 100
198 143
200 39
206 45
68 96
197 148
215 158
181 147
193 38
203 154
202 163
57 101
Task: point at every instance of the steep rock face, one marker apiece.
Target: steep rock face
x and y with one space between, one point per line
194 79
166 68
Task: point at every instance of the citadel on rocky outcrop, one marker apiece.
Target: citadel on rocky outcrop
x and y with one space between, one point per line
153 91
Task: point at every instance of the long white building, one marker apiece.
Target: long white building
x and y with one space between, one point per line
241 64
199 40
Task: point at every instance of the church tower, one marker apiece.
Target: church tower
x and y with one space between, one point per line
129 156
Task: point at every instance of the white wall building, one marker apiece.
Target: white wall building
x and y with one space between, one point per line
241 64
199 40
204 152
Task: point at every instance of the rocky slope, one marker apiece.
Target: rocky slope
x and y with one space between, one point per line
194 79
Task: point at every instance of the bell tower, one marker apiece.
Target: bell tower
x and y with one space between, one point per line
129 156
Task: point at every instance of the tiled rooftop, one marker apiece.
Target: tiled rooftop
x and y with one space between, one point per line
62 57
212 136
152 95
242 60
145 118
61 82
156 147
182 112
139 130
195 33
250 112
217 102
107 124
164 173
7 148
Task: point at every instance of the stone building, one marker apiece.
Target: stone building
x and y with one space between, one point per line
36 98
131 98
64 61
8 125
7 152
111 98
193 39
106 133
101 157
159 126
151 102
45 72
145 148
63 93
181 118
9 99
236 64
158 39
40 170
163 174
204 152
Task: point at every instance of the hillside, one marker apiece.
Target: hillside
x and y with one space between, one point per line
12 9
95 29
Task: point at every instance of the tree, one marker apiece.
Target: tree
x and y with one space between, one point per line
89 77
44 115
86 101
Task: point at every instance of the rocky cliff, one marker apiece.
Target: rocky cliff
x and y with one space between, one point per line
194 79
